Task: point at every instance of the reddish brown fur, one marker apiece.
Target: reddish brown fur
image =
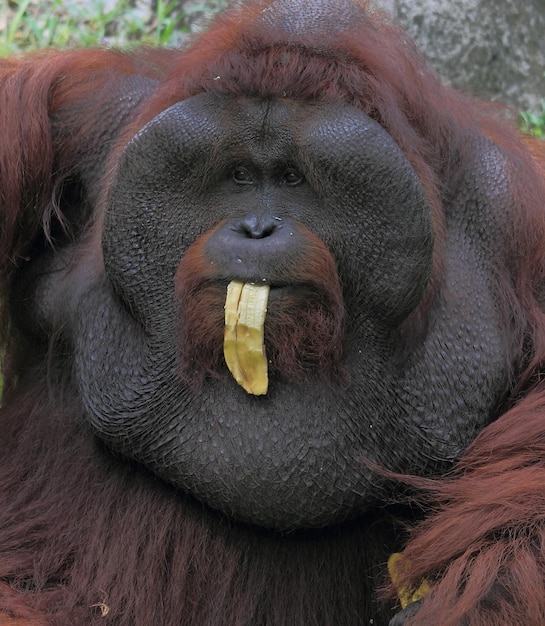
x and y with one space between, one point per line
483 551
34 90
68 506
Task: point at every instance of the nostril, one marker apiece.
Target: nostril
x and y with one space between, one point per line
258 226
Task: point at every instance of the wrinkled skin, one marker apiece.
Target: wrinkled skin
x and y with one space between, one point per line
281 461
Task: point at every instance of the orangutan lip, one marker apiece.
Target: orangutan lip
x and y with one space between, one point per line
273 286
278 292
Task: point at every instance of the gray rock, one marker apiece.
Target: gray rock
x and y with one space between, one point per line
491 48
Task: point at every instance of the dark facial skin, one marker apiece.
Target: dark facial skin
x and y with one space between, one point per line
257 188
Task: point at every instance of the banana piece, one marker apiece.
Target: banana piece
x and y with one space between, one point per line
243 345
406 596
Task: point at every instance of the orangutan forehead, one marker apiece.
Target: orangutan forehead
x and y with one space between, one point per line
319 15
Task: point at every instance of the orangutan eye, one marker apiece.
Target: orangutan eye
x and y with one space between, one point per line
241 176
292 178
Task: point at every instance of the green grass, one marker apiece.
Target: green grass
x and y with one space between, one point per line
33 24
534 123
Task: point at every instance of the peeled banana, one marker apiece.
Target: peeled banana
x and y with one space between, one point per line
243 345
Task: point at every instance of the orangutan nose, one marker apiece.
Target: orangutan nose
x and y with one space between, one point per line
251 248
258 226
